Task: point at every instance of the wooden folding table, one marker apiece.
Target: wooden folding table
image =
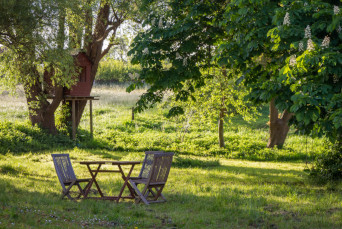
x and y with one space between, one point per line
119 164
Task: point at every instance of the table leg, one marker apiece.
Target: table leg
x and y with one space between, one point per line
93 180
125 178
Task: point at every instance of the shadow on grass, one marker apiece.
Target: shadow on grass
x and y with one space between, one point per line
25 208
223 208
187 162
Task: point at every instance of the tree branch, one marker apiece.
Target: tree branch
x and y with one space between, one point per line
56 100
273 111
110 45
286 116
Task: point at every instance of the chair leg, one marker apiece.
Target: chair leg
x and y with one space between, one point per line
142 197
66 192
159 193
156 195
81 191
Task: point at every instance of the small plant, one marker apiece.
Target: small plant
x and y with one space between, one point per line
62 119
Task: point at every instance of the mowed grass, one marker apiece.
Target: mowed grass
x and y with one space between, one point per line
207 188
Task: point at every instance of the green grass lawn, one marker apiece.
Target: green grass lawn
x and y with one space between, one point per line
244 185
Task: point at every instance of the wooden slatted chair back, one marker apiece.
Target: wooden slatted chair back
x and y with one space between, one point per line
147 163
161 168
64 169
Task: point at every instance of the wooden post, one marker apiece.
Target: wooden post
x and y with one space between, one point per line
73 111
132 113
91 117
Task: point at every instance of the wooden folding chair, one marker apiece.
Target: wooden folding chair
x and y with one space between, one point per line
66 175
147 164
153 175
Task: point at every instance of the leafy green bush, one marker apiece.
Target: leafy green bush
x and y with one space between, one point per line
328 167
117 71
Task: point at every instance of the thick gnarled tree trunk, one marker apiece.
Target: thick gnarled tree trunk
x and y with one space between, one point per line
278 126
105 26
41 111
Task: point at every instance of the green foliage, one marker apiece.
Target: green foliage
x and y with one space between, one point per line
175 48
62 117
22 137
28 38
328 167
221 92
116 71
288 50
313 74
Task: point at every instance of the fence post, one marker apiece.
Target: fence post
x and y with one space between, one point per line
132 113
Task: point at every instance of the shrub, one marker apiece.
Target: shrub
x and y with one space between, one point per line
115 71
328 167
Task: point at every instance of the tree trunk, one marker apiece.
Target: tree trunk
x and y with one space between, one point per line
223 111
278 126
220 128
41 111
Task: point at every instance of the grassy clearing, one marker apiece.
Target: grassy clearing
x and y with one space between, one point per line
207 188
233 194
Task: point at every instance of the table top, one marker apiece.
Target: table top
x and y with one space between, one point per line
110 162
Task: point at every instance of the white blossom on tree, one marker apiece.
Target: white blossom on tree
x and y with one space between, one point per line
310 46
293 60
325 42
307 32
336 10
145 51
287 19
301 46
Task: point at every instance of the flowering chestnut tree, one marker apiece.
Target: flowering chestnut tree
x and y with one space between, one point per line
288 53
313 71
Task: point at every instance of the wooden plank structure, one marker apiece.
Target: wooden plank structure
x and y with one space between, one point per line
67 177
153 176
74 103
78 92
125 177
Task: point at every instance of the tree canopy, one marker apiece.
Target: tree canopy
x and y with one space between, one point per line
41 40
268 42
